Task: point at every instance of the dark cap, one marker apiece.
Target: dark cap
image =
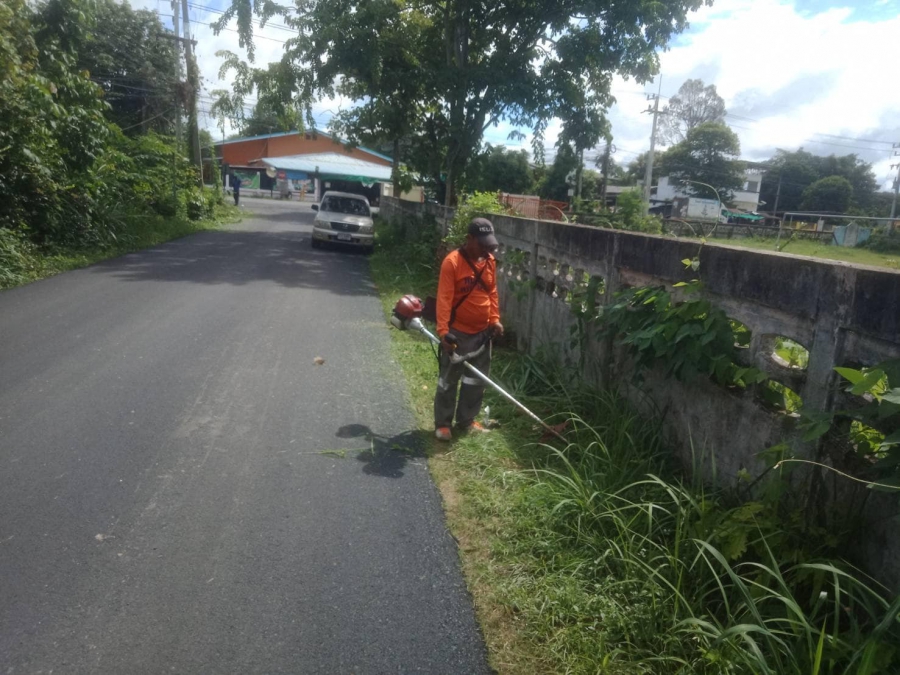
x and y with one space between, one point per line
483 230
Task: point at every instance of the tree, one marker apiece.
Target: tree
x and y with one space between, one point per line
52 124
709 154
857 172
498 169
129 53
832 194
468 64
68 175
591 181
617 173
799 169
634 172
795 171
553 184
693 105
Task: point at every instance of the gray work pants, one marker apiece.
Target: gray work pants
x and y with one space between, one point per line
471 392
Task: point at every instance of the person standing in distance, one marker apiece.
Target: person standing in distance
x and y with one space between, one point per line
236 188
468 316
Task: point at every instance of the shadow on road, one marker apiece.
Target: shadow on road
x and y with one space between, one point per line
387 456
240 258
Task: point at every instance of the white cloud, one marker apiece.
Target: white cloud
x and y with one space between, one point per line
788 78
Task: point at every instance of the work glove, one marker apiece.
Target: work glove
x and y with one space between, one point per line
448 343
496 330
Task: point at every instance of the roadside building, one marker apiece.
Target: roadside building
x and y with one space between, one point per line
307 163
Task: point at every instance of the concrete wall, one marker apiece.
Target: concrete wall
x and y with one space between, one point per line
844 315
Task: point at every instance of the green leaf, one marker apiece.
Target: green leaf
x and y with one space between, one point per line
817 665
850 374
865 386
892 396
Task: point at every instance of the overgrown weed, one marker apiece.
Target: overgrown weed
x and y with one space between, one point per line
22 262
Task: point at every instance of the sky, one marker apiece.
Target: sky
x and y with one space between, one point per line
794 73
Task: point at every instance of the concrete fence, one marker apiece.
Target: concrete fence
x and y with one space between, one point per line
844 315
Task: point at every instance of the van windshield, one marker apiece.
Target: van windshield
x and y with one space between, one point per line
355 207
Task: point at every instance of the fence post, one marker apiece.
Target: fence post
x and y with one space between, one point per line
532 295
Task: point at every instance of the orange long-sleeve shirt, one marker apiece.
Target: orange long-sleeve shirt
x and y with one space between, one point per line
481 308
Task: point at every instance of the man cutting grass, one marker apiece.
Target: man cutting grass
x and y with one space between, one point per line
468 316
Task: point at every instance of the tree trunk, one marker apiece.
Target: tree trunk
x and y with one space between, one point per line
395 170
449 185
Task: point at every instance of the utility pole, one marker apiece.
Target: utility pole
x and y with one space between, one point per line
777 196
177 27
896 181
648 173
610 148
193 81
578 182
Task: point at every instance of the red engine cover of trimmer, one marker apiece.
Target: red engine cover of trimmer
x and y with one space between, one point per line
409 307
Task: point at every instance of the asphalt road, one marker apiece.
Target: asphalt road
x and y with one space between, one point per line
175 495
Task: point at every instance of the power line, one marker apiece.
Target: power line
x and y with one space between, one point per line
849 147
818 133
165 112
213 10
847 138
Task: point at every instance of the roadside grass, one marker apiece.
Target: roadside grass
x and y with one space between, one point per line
815 249
22 263
599 557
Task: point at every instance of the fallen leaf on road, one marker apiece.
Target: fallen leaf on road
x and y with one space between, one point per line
318 360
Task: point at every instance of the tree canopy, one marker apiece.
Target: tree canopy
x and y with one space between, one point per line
133 58
828 194
497 169
708 154
799 169
693 105
553 184
69 175
440 72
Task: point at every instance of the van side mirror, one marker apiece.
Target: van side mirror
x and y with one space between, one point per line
315 207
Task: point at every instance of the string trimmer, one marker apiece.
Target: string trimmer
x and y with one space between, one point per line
408 314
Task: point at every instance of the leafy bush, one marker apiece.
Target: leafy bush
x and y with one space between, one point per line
471 207
212 199
684 337
68 177
17 259
884 242
630 214
195 204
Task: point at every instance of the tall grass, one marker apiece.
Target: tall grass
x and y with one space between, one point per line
695 584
